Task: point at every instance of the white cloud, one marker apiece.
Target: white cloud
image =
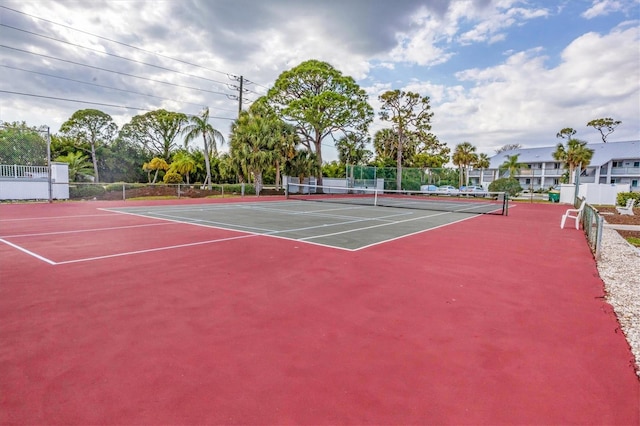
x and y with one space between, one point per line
523 101
602 8
428 41
492 24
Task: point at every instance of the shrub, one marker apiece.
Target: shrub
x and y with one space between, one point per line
117 186
85 191
622 198
172 177
509 185
236 188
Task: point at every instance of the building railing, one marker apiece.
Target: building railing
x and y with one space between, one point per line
635 171
14 171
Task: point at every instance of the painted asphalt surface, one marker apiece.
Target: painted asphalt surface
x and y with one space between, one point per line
491 320
349 227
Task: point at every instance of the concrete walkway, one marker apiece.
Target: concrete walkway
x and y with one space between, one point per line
622 227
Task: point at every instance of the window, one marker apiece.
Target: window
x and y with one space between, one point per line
617 164
636 164
527 181
634 183
615 180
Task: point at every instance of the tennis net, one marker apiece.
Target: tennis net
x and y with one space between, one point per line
496 203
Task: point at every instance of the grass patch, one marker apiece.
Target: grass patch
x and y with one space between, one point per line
634 241
154 197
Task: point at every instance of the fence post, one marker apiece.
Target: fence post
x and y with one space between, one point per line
50 183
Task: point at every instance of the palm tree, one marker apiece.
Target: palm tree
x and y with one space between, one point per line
252 142
511 165
78 163
199 125
302 164
284 148
576 154
183 163
156 164
463 156
482 162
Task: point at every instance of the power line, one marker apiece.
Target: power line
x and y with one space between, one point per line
93 103
114 41
111 54
112 71
107 87
257 84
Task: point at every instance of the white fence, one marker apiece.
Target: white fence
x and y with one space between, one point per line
32 182
602 194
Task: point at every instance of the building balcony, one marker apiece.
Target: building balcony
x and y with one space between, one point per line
621 171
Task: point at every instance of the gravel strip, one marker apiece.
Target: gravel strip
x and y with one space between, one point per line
619 268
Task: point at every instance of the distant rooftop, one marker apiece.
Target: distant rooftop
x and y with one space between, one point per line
603 153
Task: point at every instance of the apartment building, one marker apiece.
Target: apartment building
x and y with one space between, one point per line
612 162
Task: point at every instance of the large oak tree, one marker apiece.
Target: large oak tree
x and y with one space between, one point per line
320 101
157 131
410 115
93 128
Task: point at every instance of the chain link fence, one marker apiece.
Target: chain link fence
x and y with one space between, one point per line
412 178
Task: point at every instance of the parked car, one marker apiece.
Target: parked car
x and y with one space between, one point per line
448 189
476 191
428 188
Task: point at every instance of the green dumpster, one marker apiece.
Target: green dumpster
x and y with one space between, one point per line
554 196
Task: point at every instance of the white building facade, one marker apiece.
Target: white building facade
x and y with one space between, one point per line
612 162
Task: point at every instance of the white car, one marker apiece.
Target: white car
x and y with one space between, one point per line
476 191
448 189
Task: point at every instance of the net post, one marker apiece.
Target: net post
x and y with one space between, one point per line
505 207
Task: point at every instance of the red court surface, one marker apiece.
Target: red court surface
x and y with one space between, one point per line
492 320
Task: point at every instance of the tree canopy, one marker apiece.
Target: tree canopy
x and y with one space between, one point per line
21 144
92 127
511 165
508 147
352 150
566 133
575 154
156 130
464 155
603 125
319 101
199 126
410 115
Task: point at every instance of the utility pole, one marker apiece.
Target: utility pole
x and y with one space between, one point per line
240 88
240 96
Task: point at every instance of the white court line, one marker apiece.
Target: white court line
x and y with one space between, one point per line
221 225
85 230
54 217
320 213
414 233
373 226
30 253
129 253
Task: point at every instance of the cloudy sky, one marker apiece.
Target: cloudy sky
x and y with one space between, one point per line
496 71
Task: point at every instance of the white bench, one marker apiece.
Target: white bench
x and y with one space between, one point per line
575 214
628 208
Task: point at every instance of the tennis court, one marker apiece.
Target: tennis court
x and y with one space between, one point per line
335 224
274 311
